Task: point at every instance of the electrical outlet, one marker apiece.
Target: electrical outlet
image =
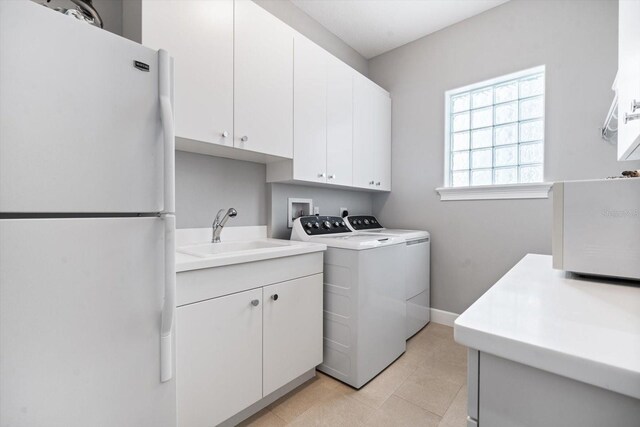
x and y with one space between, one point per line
343 211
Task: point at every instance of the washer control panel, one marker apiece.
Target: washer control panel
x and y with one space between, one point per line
319 225
364 222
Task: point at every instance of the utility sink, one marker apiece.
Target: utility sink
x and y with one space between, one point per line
230 248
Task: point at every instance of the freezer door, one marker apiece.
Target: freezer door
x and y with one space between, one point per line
81 127
81 303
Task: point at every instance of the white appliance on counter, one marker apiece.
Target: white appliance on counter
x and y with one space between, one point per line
596 227
417 261
87 271
364 298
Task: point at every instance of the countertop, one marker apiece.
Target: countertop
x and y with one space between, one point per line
195 236
584 329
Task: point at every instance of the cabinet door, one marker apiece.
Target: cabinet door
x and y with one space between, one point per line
381 104
219 358
263 70
199 35
310 111
628 84
339 122
363 133
292 330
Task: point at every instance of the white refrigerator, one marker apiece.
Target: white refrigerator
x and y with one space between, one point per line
87 273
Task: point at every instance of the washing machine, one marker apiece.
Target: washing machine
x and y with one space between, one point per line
417 263
364 298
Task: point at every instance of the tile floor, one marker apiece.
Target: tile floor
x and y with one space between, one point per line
426 386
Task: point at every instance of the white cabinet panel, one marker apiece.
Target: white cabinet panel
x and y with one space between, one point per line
292 330
219 358
339 122
199 36
628 84
263 100
371 135
310 111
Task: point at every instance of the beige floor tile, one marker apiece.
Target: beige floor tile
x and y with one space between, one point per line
264 418
430 393
301 399
438 331
337 411
398 412
378 390
442 369
456 415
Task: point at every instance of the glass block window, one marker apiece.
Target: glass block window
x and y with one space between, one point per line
495 131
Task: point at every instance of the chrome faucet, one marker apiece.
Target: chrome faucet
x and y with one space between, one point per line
219 223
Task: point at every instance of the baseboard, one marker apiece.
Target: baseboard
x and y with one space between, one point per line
443 317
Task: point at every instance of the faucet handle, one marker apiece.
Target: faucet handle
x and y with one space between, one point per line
218 215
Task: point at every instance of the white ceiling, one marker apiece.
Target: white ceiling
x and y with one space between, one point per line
373 27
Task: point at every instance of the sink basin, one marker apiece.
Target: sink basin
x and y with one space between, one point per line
231 248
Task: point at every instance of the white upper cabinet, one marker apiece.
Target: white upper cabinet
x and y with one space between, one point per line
339 122
371 135
199 36
310 111
263 71
628 84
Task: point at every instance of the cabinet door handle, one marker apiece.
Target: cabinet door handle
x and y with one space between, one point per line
274 297
634 105
321 175
332 176
371 182
225 134
244 138
378 183
255 302
629 117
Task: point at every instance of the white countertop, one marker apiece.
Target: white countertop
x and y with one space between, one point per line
195 236
584 329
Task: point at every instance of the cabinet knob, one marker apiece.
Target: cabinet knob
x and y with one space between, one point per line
332 176
274 297
255 302
225 134
634 105
371 182
321 175
244 138
629 117
378 183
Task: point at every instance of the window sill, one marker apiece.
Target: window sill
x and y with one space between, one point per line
496 192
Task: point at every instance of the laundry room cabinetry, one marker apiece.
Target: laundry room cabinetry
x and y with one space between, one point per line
628 82
233 74
253 335
371 135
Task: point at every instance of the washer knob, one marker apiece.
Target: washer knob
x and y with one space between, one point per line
316 225
341 224
336 224
326 224
308 225
359 222
366 222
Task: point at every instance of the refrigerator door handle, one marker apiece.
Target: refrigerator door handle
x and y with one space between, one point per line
169 308
165 82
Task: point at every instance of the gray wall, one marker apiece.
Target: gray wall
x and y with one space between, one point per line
205 184
306 25
476 242
327 199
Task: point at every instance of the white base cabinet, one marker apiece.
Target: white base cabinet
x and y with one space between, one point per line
504 393
218 356
235 349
